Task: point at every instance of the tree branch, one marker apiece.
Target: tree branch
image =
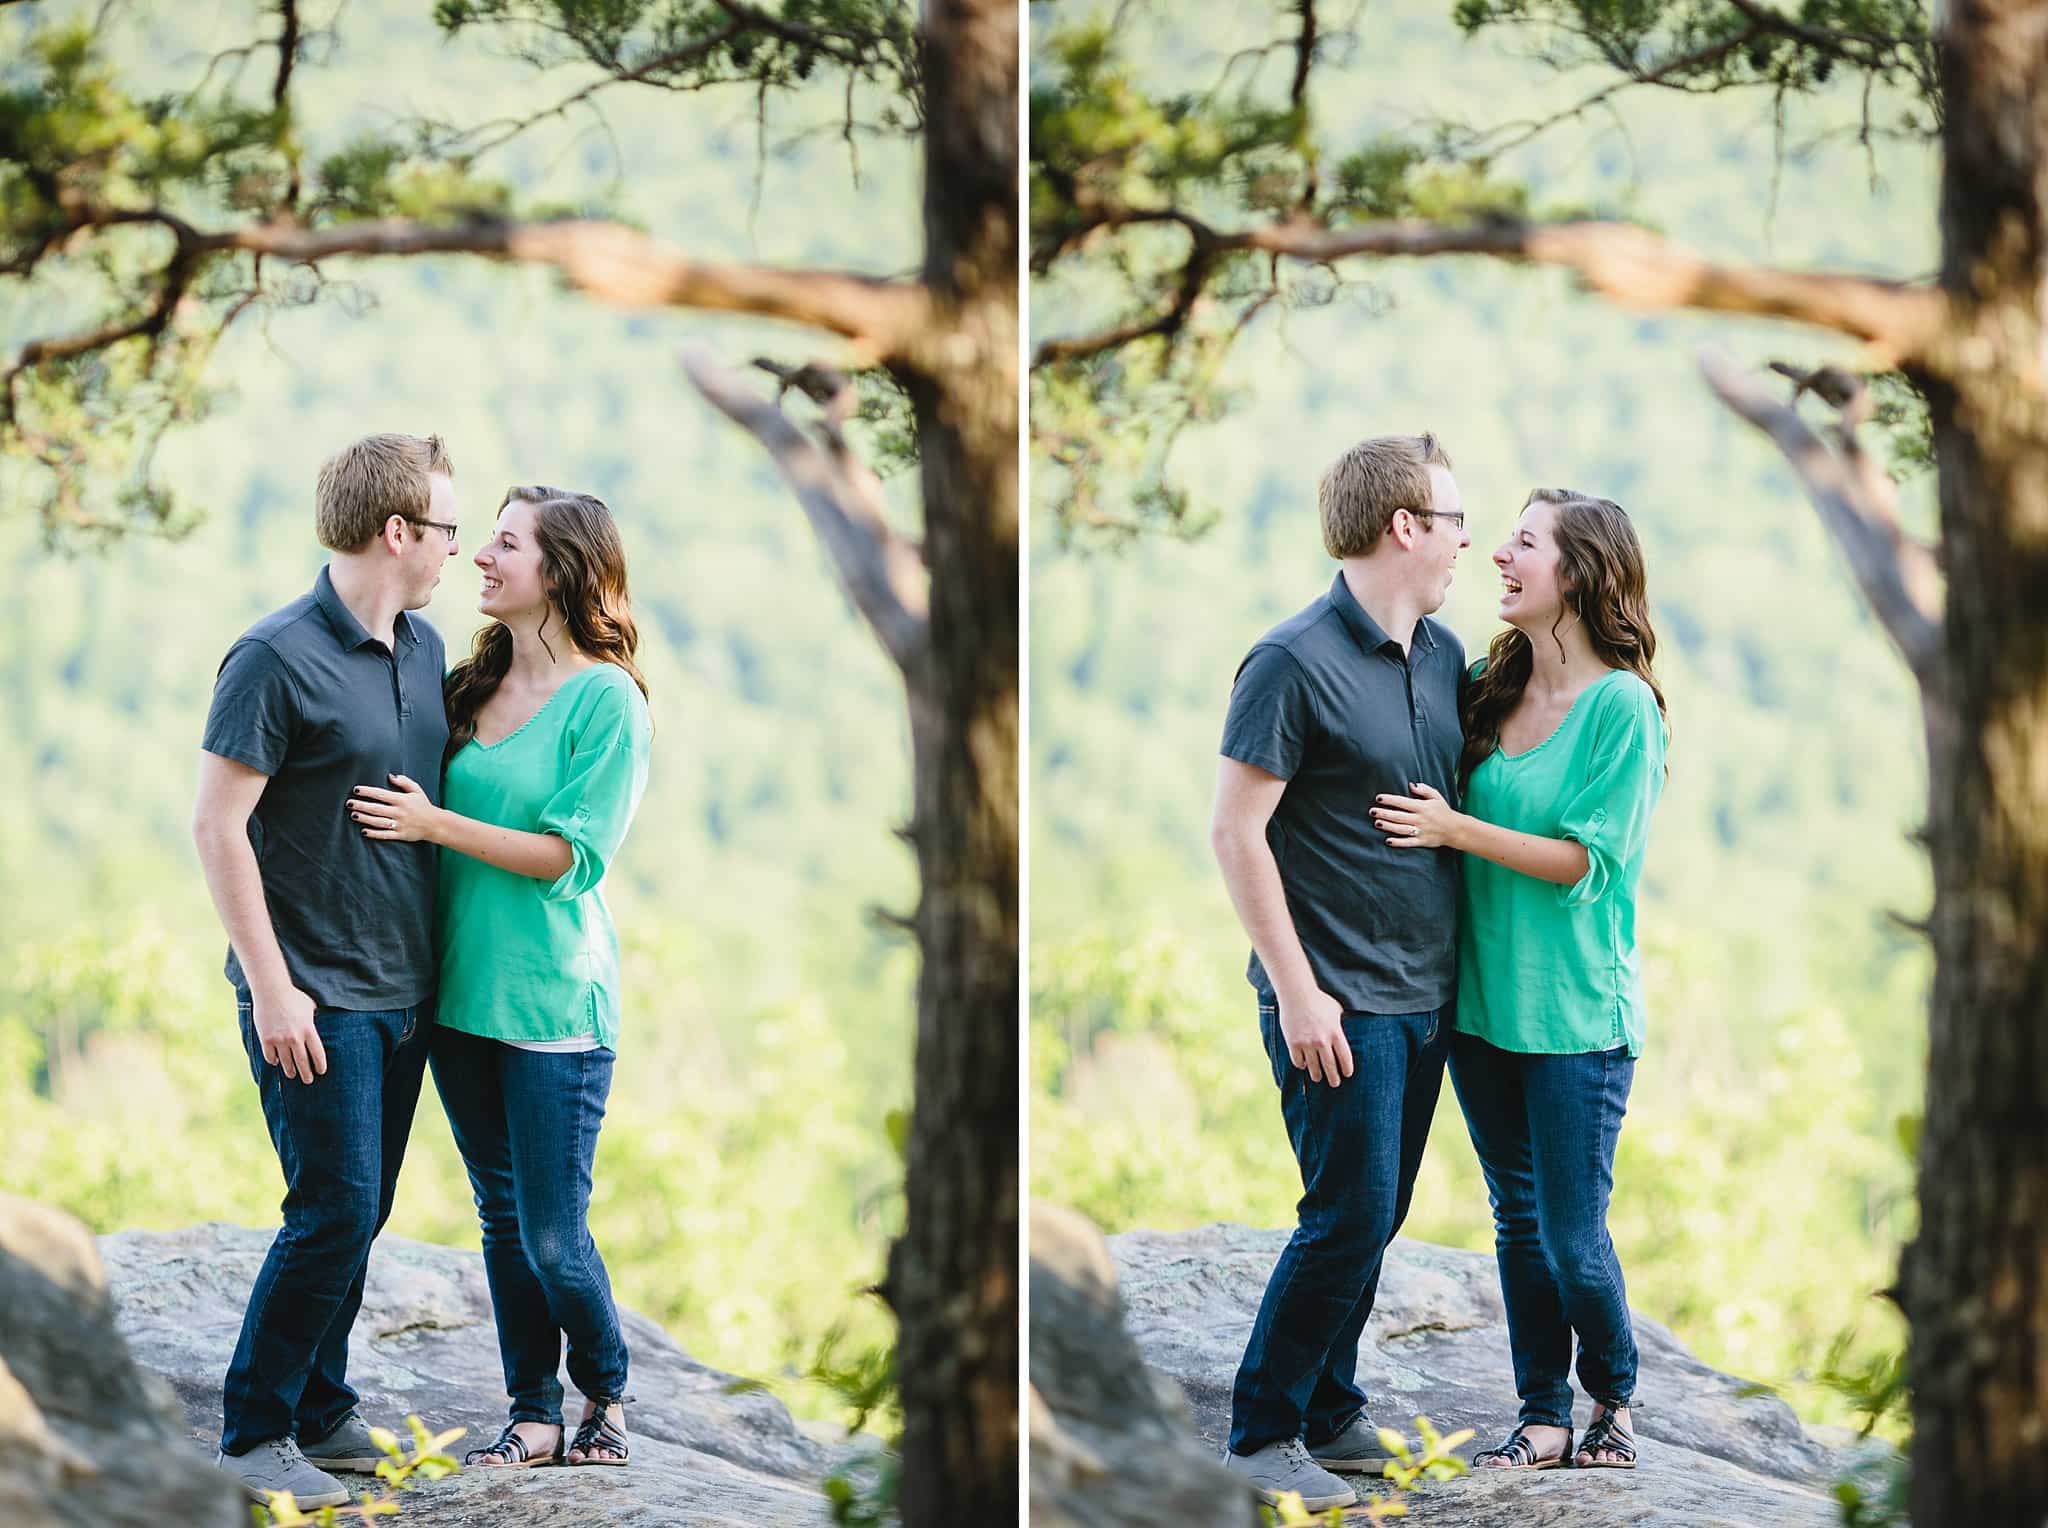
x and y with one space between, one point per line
1679 64
287 51
1304 55
1898 576
1629 265
688 54
842 499
287 60
1637 268
623 266
150 323
1192 278
844 47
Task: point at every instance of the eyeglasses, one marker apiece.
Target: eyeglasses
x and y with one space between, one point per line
1455 516
444 527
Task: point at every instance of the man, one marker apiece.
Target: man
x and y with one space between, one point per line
1353 940
330 936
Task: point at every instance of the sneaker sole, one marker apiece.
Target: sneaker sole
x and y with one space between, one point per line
1310 1503
1375 1466
306 1503
365 1465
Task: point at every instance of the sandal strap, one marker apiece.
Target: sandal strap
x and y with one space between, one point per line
1519 1451
510 1448
1516 1449
600 1430
1605 1434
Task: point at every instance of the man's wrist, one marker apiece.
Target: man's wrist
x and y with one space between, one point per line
1295 994
271 989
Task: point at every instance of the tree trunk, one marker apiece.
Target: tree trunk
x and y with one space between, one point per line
953 1277
1974 1282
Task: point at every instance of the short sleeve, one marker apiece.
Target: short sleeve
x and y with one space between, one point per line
595 803
1272 713
1610 811
255 708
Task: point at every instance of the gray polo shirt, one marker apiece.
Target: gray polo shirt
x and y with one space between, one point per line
1329 703
309 698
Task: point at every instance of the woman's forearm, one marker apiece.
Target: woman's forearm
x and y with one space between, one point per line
1559 860
544 856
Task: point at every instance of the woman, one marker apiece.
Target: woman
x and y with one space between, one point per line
548 744
1563 764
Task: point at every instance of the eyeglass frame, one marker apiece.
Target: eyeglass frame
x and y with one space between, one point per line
446 527
1457 515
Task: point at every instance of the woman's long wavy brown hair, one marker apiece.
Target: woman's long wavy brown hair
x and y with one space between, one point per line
1600 570
583 567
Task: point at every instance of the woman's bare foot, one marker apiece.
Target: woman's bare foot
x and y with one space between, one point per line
1586 1458
1548 1442
607 1445
538 1438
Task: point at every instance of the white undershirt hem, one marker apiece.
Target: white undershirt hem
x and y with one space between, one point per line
575 1043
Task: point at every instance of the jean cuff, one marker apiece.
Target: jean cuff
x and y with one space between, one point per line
1312 1439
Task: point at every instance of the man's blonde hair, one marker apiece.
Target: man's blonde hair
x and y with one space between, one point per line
367 482
1365 485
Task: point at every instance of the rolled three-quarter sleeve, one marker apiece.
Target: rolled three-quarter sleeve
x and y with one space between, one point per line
1610 812
255 708
601 789
1272 712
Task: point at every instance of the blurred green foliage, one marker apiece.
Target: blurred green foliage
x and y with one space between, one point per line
746 1184
398 1471
1761 1192
1156 138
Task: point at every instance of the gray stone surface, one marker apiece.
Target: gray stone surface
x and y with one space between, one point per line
1711 1454
86 1436
1112 1442
706 1448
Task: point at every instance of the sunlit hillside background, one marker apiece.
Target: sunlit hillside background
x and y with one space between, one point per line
746 1186
1762 1190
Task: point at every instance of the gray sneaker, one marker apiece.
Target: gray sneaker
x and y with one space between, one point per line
1281 1467
1355 1451
279 1466
348 1447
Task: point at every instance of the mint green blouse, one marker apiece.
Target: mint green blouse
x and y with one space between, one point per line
522 959
1553 969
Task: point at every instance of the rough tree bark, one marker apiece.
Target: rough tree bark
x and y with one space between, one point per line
951 627
1974 1283
953 1278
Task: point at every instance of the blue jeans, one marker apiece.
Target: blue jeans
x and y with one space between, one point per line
1359 1145
1545 1128
340 1140
526 1124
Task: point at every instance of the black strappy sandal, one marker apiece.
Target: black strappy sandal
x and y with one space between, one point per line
1520 1454
599 1431
511 1453
1606 1435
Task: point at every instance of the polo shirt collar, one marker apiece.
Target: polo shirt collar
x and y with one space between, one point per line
1362 626
346 627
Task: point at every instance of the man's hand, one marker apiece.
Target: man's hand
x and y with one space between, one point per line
284 1023
1314 1030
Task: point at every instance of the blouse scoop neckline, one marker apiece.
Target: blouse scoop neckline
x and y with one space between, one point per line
1555 732
541 710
